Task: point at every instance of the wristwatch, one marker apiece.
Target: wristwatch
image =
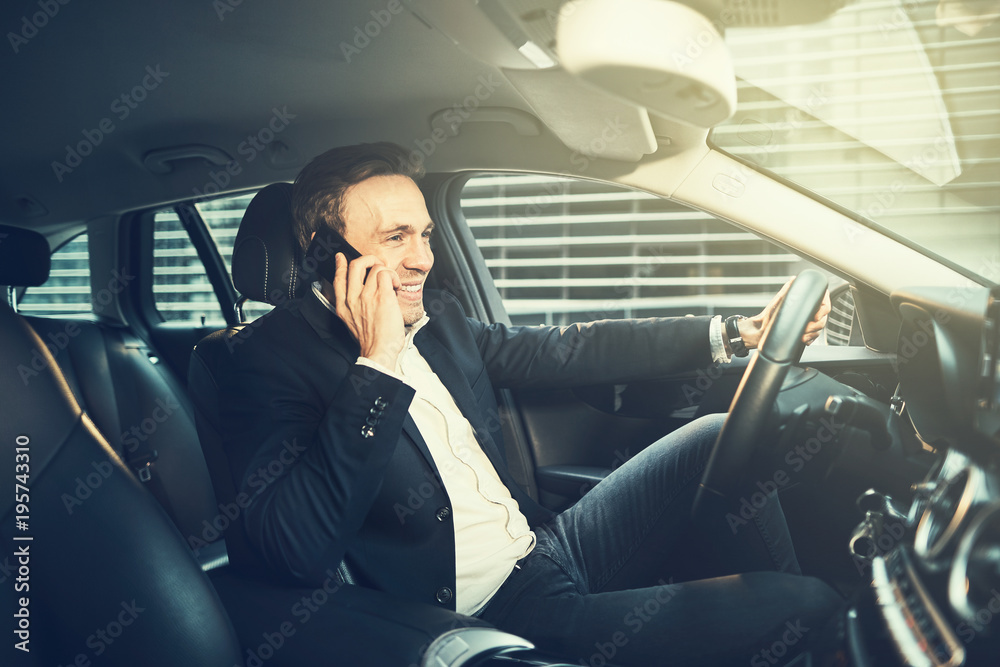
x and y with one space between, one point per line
733 337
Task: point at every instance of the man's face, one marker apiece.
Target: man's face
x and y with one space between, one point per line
386 216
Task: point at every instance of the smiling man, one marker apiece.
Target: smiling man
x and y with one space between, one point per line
391 388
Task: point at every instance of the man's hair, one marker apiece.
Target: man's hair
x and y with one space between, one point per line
319 189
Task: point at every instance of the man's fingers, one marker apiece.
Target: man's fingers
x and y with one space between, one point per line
378 282
824 308
356 271
340 280
817 325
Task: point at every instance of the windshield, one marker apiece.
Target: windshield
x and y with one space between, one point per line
890 109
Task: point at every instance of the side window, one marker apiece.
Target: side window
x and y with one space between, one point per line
181 287
223 216
67 291
568 250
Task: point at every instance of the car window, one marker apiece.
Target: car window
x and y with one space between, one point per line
223 216
67 291
181 288
566 250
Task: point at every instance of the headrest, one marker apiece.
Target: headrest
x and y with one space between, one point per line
24 257
266 256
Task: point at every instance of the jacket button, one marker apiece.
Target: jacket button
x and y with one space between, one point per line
443 513
444 595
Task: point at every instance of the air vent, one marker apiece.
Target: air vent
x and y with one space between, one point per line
840 321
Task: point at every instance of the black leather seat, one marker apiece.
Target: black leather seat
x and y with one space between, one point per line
135 402
108 576
264 250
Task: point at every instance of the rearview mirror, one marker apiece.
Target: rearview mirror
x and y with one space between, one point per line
660 55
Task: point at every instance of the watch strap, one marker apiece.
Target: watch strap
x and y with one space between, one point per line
733 336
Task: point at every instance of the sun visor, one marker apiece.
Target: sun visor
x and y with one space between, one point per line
584 118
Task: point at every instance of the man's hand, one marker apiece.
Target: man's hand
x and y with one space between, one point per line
369 307
752 328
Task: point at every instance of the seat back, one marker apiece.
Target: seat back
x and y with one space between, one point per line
208 362
136 403
266 260
108 573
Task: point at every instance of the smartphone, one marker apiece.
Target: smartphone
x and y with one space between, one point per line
323 252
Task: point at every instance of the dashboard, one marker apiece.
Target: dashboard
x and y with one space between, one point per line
935 564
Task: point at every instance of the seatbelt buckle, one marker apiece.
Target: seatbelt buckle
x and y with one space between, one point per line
143 465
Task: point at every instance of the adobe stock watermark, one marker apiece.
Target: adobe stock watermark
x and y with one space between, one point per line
122 107
103 638
302 274
418 496
31 24
890 535
759 136
58 341
620 458
141 432
223 7
363 35
230 512
886 198
695 46
598 146
900 17
302 610
248 150
86 485
796 459
969 630
455 116
634 621
792 635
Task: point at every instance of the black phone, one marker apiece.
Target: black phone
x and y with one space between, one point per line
322 252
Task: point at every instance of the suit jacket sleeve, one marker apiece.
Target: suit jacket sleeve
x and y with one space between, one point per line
598 352
298 450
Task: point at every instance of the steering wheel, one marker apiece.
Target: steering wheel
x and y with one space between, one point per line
780 348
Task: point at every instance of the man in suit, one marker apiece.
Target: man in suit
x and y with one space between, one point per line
365 427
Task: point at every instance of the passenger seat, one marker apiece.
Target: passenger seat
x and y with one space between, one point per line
114 564
134 400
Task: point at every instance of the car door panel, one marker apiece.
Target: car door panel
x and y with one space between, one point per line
577 436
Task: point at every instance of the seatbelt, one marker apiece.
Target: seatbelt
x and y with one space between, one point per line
142 459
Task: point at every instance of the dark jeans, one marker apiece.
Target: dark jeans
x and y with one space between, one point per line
624 578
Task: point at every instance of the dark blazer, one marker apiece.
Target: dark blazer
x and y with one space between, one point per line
337 469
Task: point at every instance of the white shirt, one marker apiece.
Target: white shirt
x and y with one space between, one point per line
491 532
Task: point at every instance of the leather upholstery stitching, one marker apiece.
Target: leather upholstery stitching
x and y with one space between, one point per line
265 268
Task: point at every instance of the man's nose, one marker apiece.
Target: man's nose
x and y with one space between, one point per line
420 257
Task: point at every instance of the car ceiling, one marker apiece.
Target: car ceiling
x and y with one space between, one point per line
228 67
227 70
